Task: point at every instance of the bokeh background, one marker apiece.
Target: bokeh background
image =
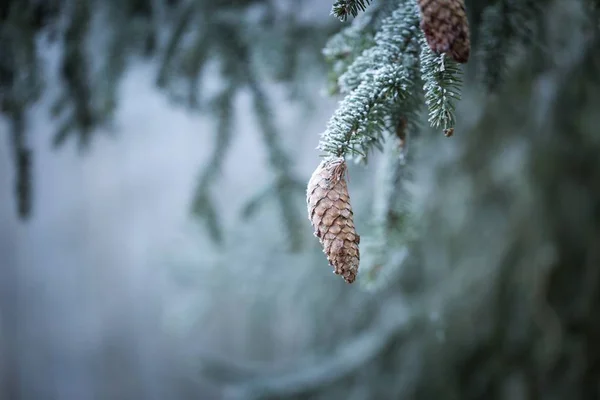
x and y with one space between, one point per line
170 256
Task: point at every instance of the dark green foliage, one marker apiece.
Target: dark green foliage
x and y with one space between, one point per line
183 37
383 72
376 83
505 246
203 205
74 71
23 161
237 64
506 26
343 8
502 228
286 188
20 84
442 84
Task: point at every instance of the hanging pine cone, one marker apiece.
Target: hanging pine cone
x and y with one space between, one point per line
446 27
330 213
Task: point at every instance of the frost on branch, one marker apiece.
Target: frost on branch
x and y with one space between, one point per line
442 79
378 83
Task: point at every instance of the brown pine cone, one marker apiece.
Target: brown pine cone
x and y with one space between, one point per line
446 27
330 213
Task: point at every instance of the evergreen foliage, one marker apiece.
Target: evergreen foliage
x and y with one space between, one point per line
503 231
508 283
387 72
391 227
383 82
377 84
506 26
442 80
247 39
379 63
343 8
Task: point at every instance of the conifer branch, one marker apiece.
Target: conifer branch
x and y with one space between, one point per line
284 183
184 35
344 47
391 218
22 161
442 79
343 8
396 38
194 66
203 206
372 93
184 17
311 373
346 132
75 73
504 25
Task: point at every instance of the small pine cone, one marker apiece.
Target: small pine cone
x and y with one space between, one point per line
446 28
330 213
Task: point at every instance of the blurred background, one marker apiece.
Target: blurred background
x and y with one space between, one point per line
154 241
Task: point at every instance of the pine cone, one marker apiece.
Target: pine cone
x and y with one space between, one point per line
330 213
446 27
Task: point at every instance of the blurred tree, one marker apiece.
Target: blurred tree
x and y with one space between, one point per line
252 41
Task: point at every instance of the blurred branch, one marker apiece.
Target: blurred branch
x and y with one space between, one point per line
392 322
75 74
202 205
253 205
280 162
505 25
22 161
182 34
196 61
20 86
185 15
392 220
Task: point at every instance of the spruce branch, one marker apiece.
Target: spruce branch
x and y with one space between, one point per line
193 67
203 206
392 223
388 326
442 80
183 35
372 93
346 132
497 38
75 73
184 18
22 158
343 8
342 49
505 25
396 38
285 183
